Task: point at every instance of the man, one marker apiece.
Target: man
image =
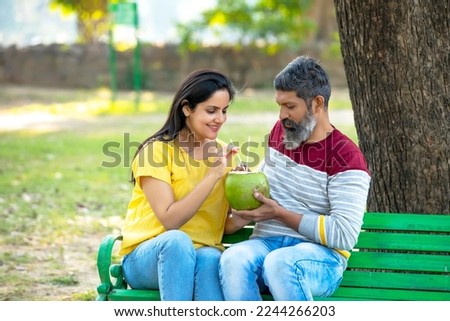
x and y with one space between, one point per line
319 183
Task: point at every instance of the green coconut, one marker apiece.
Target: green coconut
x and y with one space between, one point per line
240 187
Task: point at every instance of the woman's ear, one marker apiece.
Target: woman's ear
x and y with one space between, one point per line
185 106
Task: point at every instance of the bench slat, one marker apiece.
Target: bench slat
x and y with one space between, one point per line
400 261
242 234
134 295
403 241
354 293
391 280
407 222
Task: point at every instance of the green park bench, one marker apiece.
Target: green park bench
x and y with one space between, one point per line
397 257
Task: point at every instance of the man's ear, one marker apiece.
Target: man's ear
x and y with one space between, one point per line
318 103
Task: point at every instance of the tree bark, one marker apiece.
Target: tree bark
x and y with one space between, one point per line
397 60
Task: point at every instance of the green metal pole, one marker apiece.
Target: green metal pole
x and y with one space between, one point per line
137 76
112 68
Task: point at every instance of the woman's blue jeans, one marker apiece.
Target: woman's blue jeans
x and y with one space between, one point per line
170 263
292 269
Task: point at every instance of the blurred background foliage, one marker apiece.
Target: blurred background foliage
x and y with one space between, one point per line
251 40
92 17
266 24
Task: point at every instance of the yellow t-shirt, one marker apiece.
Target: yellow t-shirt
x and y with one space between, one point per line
170 163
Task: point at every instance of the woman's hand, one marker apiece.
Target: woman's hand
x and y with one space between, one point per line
221 163
234 223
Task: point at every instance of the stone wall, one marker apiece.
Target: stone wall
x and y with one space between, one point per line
162 68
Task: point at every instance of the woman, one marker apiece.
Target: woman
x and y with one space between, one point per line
176 217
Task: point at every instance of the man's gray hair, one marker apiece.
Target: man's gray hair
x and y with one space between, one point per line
306 77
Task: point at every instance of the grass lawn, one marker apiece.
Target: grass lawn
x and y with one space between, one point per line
60 193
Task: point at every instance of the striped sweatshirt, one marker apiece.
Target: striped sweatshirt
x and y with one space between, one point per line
326 181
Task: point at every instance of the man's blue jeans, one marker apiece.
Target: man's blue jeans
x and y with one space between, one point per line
170 263
292 269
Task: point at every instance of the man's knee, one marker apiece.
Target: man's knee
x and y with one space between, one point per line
273 264
235 256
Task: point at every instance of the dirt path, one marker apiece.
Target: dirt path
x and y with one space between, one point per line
77 268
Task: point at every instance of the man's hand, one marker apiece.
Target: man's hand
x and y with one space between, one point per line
268 210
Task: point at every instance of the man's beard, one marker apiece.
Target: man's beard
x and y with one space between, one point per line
297 133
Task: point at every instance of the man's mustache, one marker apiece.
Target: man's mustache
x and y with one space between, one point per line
289 124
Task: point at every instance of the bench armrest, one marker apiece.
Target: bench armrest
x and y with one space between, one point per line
106 270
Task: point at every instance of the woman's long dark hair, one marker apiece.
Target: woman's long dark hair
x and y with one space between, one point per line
196 88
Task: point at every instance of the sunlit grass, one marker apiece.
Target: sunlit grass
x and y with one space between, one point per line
101 102
96 103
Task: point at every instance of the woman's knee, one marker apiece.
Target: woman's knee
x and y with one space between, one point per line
176 243
208 255
175 237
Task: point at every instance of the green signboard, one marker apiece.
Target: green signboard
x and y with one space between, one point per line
124 13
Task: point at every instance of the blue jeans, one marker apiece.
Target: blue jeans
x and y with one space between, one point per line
170 263
292 269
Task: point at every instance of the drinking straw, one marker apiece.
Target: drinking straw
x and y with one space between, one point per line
248 152
239 156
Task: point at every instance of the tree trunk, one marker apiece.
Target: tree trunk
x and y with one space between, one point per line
397 61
